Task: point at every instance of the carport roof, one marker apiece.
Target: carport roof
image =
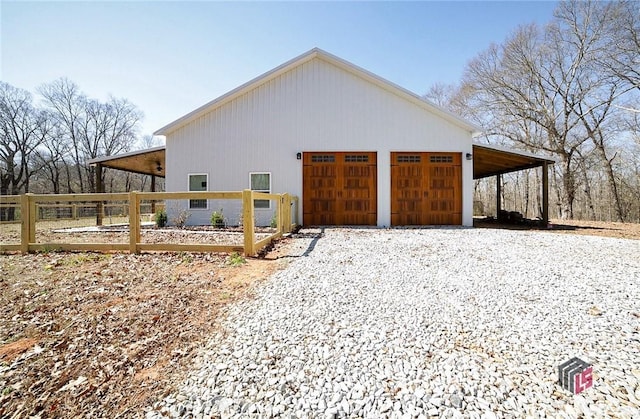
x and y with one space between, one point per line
150 161
492 160
488 160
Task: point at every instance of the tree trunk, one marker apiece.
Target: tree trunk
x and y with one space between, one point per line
556 182
79 172
611 181
587 191
568 189
69 188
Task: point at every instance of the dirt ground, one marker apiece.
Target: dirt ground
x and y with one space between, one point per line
589 228
106 335
597 228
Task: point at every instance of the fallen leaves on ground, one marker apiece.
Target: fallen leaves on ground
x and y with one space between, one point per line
103 335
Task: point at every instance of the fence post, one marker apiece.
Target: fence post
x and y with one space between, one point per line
279 216
33 211
248 222
283 213
134 222
287 211
25 229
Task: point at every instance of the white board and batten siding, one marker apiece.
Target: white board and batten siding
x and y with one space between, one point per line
316 105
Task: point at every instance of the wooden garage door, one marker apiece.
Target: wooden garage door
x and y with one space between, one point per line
426 188
339 188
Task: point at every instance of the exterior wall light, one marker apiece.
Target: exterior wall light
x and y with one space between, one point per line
469 156
299 156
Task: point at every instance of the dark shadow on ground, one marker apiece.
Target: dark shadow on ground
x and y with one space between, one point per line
305 235
530 225
314 242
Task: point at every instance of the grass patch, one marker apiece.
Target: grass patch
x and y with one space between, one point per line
236 259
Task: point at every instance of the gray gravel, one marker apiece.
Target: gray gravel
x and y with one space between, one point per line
428 323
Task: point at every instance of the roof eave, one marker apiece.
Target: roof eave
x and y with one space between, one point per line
129 154
549 159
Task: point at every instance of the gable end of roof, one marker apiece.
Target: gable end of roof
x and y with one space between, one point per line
300 60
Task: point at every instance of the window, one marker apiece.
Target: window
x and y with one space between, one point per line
356 158
441 159
323 158
261 182
409 158
198 182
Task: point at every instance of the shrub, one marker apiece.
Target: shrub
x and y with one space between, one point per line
217 218
236 259
181 218
161 218
274 221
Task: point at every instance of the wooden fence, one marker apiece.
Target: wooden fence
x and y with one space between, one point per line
75 211
285 216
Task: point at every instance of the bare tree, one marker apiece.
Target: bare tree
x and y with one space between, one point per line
550 81
107 129
442 95
149 141
22 129
622 58
66 103
53 159
90 127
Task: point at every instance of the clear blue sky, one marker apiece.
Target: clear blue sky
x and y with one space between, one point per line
170 57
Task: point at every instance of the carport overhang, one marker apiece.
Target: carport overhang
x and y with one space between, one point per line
150 161
492 160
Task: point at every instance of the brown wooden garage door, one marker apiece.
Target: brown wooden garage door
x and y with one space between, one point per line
339 188
426 188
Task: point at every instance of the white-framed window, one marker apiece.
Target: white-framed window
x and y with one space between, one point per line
260 182
198 182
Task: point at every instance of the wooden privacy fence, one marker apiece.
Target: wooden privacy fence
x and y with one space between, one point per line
27 205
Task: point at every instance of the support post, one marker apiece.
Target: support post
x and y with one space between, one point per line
248 222
153 189
134 222
545 193
498 196
99 189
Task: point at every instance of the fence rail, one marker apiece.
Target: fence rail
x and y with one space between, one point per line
77 211
28 206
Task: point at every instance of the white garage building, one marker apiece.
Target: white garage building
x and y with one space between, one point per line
357 149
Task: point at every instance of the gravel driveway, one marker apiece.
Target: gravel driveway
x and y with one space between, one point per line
428 322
